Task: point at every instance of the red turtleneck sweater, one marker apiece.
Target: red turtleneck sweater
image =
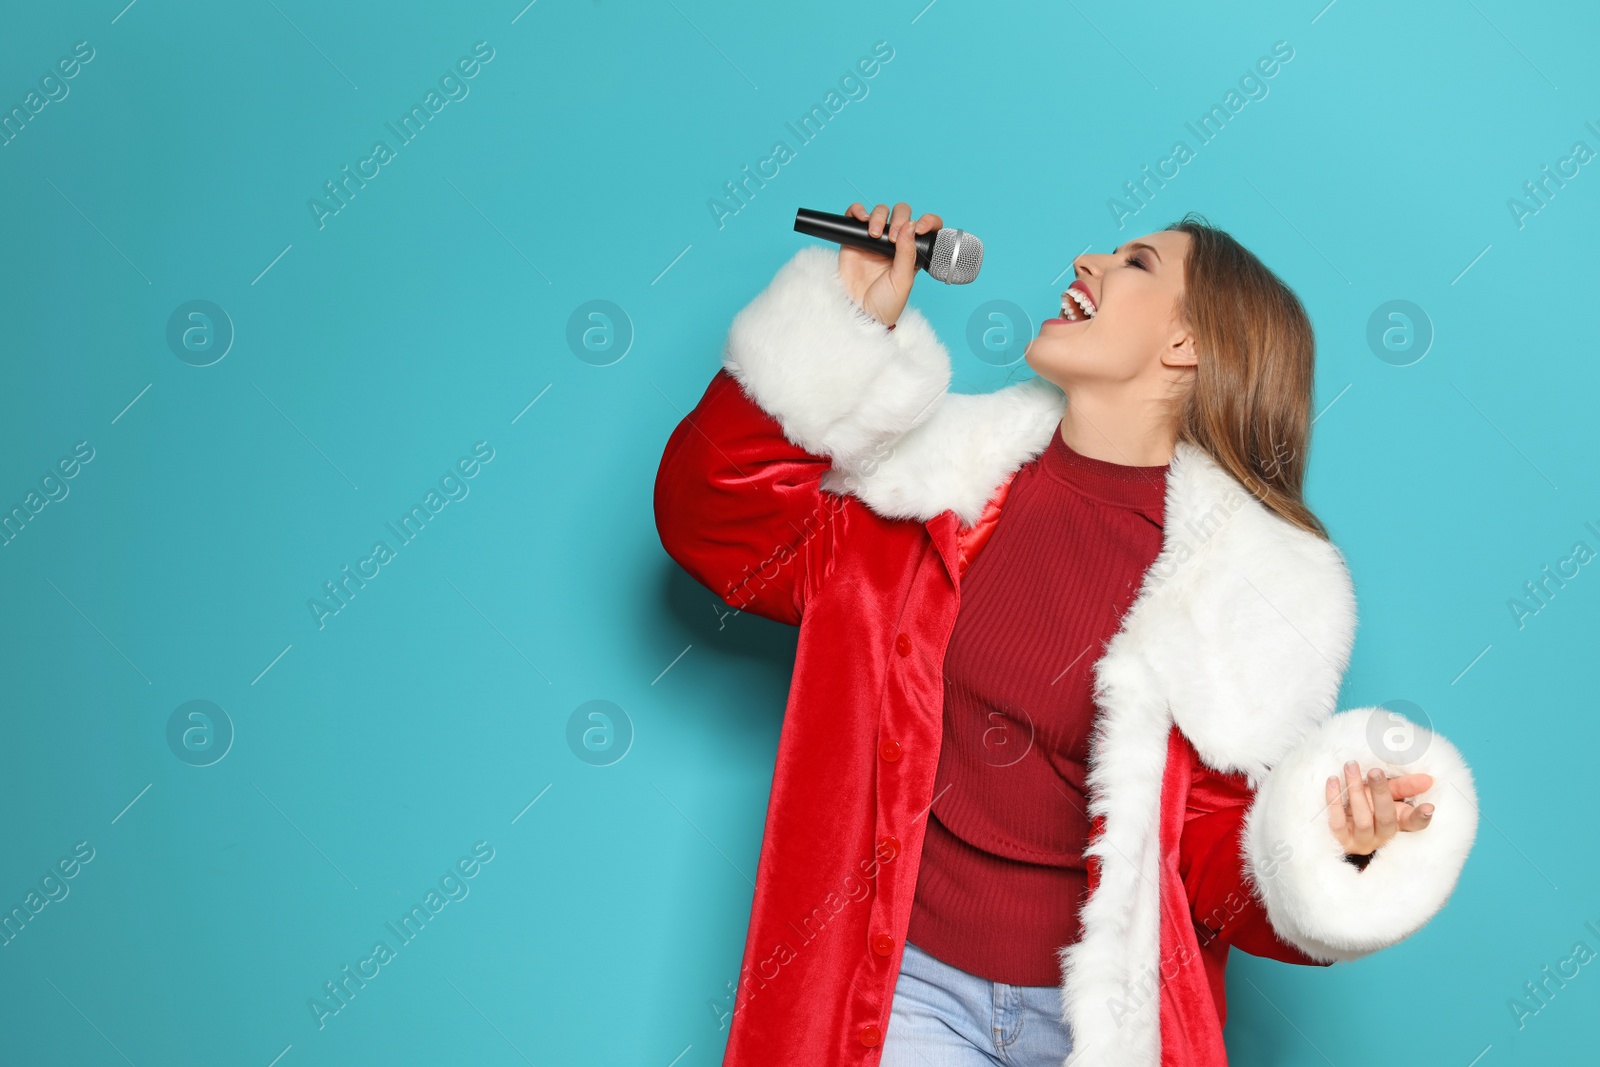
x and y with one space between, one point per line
1002 874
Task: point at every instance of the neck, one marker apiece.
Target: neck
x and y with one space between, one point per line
1128 430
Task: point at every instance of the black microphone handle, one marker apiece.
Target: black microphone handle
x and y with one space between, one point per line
844 230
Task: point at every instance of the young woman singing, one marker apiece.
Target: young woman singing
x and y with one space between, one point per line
1062 727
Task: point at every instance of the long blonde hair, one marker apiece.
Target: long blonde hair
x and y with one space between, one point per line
1250 404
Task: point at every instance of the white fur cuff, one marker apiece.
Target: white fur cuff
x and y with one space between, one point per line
839 383
1314 898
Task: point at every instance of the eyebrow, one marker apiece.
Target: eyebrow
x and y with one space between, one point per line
1138 244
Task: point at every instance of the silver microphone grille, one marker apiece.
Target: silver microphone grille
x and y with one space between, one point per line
957 255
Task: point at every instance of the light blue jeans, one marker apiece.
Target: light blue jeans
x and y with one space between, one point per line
944 1017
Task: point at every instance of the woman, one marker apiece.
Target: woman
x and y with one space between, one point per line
1062 730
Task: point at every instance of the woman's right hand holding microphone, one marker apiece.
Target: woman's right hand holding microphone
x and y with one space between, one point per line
879 285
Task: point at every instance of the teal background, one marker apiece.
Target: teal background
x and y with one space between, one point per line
432 712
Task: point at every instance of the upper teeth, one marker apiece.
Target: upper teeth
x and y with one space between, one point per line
1079 302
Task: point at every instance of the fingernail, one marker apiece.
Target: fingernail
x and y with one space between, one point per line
1351 765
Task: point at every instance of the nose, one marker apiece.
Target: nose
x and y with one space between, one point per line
1087 265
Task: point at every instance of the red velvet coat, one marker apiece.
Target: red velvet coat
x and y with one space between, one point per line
828 479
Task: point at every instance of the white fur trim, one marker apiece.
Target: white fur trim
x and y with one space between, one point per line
1110 984
956 458
1314 898
839 383
1259 620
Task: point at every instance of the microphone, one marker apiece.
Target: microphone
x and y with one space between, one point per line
948 255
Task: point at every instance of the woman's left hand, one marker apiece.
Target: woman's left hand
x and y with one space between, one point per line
1368 811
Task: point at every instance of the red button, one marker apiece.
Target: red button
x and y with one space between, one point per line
902 644
889 749
883 944
871 1035
890 845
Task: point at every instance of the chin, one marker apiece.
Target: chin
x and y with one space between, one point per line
1047 359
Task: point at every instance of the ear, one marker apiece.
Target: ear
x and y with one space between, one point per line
1180 351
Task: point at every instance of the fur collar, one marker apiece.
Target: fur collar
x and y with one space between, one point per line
1247 620
1244 623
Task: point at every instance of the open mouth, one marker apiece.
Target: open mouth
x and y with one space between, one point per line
1076 305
